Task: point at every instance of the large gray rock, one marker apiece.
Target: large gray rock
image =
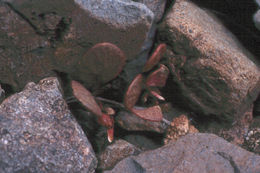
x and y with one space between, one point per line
39 37
194 153
39 134
213 72
122 22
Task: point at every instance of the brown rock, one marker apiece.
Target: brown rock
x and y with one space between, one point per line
180 126
39 134
131 122
116 152
24 55
239 129
213 71
193 153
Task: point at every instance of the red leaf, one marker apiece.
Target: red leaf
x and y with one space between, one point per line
133 92
156 93
106 120
158 78
86 98
155 58
152 113
110 134
102 62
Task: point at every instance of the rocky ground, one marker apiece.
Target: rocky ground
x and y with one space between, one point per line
203 79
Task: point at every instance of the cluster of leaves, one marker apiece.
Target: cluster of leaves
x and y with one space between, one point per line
108 68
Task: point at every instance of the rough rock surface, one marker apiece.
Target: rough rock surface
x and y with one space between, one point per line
212 70
39 134
115 152
38 37
193 153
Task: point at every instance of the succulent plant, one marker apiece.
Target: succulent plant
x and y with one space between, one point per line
155 79
88 100
101 64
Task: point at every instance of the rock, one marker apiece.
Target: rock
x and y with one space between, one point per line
38 38
38 133
252 140
252 137
212 71
239 129
256 19
25 55
180 126
115 152
2 93
123 23
143 142
131 122
192 153
258 2
156 6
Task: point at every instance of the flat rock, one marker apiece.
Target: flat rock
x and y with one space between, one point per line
193 153
39 134
211 69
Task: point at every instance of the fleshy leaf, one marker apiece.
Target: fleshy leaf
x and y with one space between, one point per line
106 120
158 78
86 98
153 113
103 62
110 134
133 92
156 93
155 58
